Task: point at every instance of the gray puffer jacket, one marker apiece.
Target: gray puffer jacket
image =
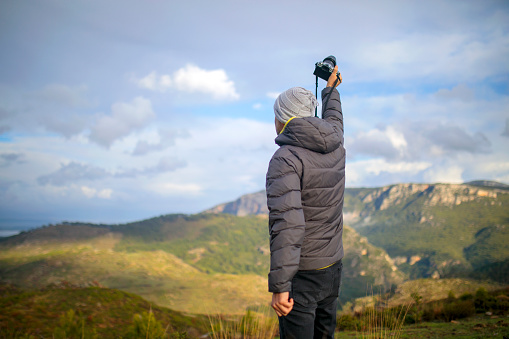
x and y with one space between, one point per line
305 186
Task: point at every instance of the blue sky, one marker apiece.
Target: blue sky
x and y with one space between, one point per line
115 111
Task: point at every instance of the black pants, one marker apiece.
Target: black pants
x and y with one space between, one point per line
315 294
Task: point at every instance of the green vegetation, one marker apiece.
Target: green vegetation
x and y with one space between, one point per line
475 315
455 230
157 276
211 243
66 311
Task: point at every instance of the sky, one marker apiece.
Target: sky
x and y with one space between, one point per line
117 111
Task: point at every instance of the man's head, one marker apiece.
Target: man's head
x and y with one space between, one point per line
295 102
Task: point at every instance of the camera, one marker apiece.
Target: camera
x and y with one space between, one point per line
323 69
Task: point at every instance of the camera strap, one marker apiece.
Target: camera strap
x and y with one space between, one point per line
328 96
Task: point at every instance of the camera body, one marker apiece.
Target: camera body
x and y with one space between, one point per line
324 69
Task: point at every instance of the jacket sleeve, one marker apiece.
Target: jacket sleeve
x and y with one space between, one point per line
286 218
333 112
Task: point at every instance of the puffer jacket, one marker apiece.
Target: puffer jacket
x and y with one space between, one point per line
305 188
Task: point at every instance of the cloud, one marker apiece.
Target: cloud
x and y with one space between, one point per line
6 159
446 174
68 126
171 188
125 118
459 92
71 173
54 107
59 94
167 138
273 95
92 192
383 171
165 164
155 82
411 141
192 79
505 133
386 143
74 172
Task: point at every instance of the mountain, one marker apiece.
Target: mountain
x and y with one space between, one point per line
431 230
205 263
488 183
248 204
440 230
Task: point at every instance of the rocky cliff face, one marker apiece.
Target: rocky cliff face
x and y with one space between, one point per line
362 204
249 204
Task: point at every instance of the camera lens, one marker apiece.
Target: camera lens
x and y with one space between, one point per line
330 61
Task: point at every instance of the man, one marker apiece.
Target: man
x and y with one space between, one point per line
305 186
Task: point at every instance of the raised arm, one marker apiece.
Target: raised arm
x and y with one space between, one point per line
331 103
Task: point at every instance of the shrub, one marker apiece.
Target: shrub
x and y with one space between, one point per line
432 311
484 301
458 309
72 325
145 325
466 296
348 322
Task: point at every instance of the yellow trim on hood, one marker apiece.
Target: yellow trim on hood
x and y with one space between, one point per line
286 124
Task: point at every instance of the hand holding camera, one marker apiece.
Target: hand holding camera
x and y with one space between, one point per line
328 71
324 69
334 80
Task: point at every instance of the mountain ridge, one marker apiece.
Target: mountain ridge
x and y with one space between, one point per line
443 230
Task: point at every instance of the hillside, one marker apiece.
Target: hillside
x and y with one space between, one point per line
200 264
156 275
103 312
430 230
440 230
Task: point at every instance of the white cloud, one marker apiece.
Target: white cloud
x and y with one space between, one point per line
155 82
88 192
176 189
449 174
124 119
105 193
417 140
273 95
192 79
381 171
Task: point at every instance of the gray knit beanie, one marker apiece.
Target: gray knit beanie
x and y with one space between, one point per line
295 102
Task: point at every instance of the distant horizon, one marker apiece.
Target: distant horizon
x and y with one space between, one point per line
10 231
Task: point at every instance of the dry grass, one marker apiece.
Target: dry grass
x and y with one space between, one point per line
253 325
